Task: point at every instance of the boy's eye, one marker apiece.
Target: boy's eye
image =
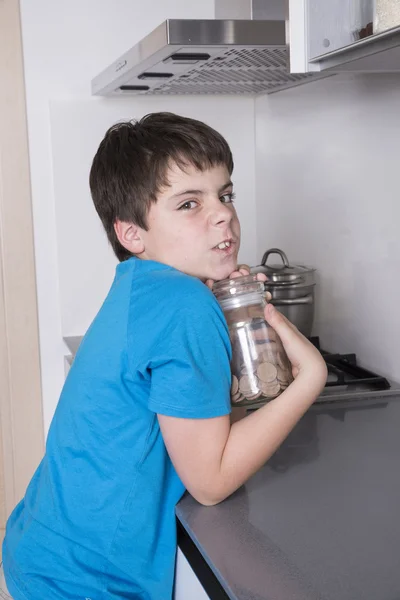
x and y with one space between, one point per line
188 205
227 198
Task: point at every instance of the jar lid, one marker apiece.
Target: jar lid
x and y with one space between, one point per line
239 286
284 273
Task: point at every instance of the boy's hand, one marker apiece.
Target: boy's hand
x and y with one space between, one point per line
306 360
240 271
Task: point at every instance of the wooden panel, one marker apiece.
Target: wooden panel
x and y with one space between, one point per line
2 492
20 386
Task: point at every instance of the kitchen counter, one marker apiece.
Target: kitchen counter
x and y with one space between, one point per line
320 521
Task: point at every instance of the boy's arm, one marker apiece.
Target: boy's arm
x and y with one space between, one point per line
212 457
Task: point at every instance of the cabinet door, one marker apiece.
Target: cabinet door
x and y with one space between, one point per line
339 35
187 586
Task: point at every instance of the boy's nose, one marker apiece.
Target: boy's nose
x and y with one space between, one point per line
221 213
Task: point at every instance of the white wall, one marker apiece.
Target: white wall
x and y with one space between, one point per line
65 45
328 194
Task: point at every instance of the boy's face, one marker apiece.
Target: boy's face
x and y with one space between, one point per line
193 226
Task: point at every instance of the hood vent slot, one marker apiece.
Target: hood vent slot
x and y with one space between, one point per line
134 88
153 76
186 58
246 71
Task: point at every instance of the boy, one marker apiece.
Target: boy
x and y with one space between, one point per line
144 412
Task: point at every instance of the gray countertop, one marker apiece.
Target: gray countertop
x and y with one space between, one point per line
321 520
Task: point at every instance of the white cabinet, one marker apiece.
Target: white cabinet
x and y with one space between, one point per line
187 586
341 35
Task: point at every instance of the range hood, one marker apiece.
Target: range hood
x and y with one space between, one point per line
243 54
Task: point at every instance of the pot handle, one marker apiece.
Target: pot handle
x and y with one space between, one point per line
290 301
275 251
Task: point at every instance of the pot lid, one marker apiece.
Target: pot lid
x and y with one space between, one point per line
283 273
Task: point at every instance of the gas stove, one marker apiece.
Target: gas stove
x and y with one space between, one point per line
348 381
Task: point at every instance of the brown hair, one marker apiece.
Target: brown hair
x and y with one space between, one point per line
131 164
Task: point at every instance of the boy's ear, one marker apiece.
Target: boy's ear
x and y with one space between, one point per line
129 237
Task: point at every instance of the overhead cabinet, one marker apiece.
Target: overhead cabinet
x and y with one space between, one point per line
344 35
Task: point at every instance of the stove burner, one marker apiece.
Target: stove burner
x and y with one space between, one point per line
344 373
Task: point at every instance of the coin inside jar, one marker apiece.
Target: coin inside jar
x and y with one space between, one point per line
267 372
234 385
270 390
283 375
245 385
237 397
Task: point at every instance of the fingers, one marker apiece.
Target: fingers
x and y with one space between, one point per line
302 354
245 270
273 317
241 271
238 273
284 328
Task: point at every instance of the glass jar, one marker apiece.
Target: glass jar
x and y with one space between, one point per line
260 367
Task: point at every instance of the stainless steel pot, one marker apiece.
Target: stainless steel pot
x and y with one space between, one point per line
292 289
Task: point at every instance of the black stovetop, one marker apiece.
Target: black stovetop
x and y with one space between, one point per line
347 379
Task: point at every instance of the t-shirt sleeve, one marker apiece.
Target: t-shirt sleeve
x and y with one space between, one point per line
190 366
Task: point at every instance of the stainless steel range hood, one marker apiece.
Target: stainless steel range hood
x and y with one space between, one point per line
232 55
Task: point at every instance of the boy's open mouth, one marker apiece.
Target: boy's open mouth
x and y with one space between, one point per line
226 246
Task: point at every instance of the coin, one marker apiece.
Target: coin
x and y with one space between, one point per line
237 397
244 384
234 385
254 396
267 372
270 389
247 385
283 375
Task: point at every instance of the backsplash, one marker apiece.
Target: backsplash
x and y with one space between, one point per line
327 190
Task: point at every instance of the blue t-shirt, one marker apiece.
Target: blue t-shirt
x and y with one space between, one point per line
98 520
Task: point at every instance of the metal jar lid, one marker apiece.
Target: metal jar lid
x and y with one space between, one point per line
285 274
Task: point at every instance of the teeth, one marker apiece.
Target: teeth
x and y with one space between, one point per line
223 245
